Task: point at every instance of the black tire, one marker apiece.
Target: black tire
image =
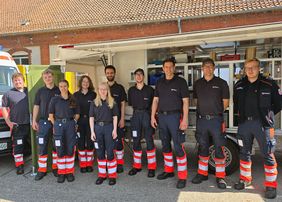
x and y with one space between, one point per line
232 158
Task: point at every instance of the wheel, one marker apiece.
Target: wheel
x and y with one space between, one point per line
231 151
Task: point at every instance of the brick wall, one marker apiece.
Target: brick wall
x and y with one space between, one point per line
134 31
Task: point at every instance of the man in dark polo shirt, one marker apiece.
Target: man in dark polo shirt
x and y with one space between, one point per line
256 100
42 125
16 100
171 100
212 95
119 95
140 97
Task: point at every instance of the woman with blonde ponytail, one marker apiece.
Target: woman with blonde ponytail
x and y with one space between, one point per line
103 115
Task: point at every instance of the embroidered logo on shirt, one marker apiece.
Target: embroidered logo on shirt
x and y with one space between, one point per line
145 98
173 89
115 95
265 93
215 87
239 88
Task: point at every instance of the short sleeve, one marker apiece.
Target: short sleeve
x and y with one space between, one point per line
77 109
195 96
156 93
5 100
91 109
123 94
115 110
51 108
225 91
37 98
184 89
129 97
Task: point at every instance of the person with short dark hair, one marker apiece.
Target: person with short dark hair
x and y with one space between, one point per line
103 116
171 99
43 125
140 97
84 97
18 119
118 93
212 95
256 101
63 114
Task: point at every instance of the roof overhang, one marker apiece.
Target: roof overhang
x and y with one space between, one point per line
86 50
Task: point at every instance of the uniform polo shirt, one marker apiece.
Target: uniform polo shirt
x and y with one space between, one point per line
62 108
103 113
17 102
84 101
42 99
170 93
209 95
118 93
140 98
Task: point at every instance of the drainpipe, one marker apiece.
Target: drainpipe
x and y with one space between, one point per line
179 25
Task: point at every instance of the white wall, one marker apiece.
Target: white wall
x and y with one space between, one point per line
127 62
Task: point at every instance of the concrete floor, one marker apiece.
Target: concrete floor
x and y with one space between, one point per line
129 188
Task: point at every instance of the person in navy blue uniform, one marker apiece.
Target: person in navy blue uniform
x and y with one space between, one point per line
118 93
256 101
84 96
212 95
64 113
171 100
42 125
103 124
18 119
140 97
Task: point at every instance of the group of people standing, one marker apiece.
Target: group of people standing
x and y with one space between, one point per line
88 121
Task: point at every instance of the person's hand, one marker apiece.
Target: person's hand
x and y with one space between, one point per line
93 136
121 123
114 134
10 124
271 133
35 126
183 125
154 123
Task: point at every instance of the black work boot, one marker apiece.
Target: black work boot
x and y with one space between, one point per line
165 175
61 178
199 179
39 176
134 171
89 169
242 184
221 183
100 180
151 173
119 168
70 177
20 170
270 192
181 184
112 181
83 170
55 172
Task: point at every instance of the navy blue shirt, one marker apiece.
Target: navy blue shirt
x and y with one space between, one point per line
209 95
104 112
42 99
84 100
170 93
140 98
17 102
118 93
62 108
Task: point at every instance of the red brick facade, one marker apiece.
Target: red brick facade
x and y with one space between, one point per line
135 31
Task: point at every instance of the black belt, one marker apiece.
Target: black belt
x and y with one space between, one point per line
252 118
103 123
64 120
140 110
170 112
208 117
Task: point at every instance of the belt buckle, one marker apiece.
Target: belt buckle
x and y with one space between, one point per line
208 117
101 124
64 120
165 113
84 116
249 118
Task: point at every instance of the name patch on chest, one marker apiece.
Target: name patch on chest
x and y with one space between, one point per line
173 89
215 87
